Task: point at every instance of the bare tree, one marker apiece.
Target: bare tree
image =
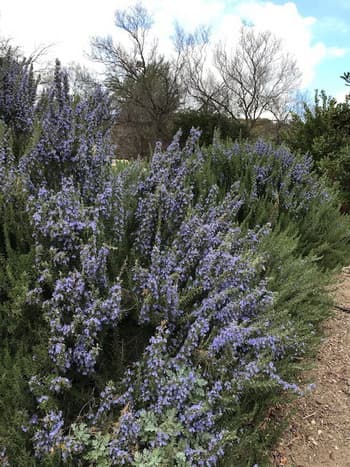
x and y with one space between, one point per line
82 81
144 84
255 77
201 86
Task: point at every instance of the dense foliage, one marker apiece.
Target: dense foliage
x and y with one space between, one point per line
279 187
149 314
210 123
323 131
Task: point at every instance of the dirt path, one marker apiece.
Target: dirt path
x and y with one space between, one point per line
319 432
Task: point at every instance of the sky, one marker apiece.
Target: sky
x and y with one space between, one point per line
316 32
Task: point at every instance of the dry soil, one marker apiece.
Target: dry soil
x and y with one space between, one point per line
319 432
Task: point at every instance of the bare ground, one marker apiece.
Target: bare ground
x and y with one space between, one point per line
319 432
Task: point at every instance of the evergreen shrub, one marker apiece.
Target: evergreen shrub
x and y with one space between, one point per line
150 314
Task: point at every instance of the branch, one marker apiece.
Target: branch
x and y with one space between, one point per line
342 308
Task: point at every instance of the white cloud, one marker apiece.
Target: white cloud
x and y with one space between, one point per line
66 24
70 23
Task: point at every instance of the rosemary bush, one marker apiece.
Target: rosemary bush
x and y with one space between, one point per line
150 313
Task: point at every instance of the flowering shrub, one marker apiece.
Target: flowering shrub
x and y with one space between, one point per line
202 293
72 140
286 180
281 188
165 196
201 288
18 88
153 302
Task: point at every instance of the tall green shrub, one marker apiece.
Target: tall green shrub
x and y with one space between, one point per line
324 132
209 123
